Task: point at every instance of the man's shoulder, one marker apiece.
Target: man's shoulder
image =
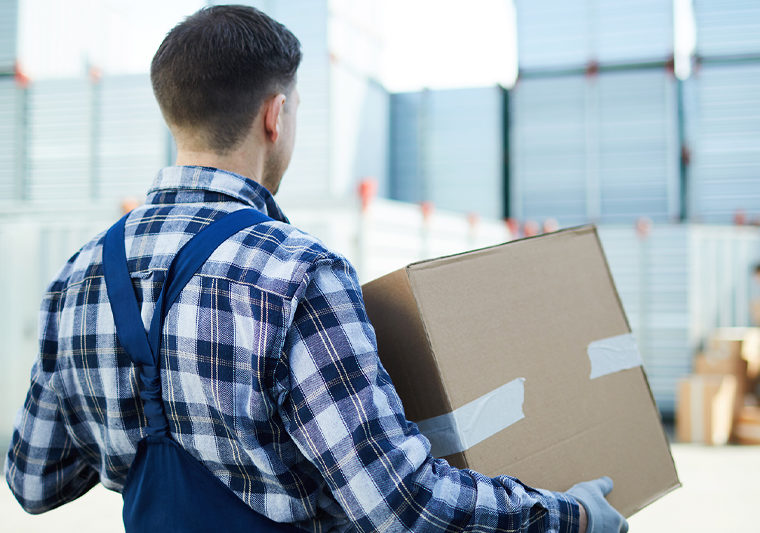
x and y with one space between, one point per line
275 256
81 268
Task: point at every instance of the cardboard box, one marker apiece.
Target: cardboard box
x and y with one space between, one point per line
725 343
737 343
518 359
705 411
747 428
726 365
751 352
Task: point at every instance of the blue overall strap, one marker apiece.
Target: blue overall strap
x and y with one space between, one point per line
126 311
144 349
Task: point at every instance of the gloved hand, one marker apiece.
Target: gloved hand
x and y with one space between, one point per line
602 517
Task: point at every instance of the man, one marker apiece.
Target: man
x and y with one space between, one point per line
269 370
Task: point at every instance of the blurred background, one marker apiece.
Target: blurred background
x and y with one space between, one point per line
430 127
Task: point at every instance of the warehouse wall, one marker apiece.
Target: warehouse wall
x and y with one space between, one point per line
602 147
448 148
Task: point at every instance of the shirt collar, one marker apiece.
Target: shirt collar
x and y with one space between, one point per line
201 179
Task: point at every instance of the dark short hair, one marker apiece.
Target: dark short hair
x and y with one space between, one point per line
213 71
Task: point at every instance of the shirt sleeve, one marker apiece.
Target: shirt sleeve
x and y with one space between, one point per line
43 467
347 419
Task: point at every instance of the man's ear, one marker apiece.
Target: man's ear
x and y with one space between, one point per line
272 112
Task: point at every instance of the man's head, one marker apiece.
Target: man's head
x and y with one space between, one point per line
220 71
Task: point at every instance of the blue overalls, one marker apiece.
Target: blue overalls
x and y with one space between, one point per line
167 490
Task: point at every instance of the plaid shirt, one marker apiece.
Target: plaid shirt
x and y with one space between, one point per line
270 378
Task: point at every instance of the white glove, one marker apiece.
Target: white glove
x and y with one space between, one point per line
602 517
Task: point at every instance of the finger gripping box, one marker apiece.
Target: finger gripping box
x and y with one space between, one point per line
518 359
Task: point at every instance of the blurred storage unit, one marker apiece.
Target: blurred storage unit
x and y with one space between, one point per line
448 148
727 27
12 144
60 142
550 137
632 31
557 35
723 127
677 284
638 145
602 147
360 125
8 34
131 141
553 33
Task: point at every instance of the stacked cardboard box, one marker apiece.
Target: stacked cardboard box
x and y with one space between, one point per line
705 408
747 429
715 404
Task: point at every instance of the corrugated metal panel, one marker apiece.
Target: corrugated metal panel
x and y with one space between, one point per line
10 102
601 148
638 145
8 34
132 139
559 34
550 135
359 132
60 141
727 27
725 142
553 33
458 160
723 261
652 276
465 150
407 180
632 30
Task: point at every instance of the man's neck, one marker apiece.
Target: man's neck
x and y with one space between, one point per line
239 162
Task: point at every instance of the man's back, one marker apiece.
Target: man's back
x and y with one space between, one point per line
222 344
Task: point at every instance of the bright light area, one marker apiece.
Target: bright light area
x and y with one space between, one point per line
448 43
64 38
685 37
425 43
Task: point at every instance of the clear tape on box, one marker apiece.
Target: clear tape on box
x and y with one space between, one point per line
475 421
613 354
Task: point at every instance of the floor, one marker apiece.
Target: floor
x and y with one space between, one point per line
721 492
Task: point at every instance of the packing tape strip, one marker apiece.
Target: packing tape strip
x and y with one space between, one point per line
613 354
474 422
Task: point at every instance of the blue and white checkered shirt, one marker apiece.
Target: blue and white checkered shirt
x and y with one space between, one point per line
270 378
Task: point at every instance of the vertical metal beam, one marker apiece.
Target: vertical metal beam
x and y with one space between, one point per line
506 159
683 160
